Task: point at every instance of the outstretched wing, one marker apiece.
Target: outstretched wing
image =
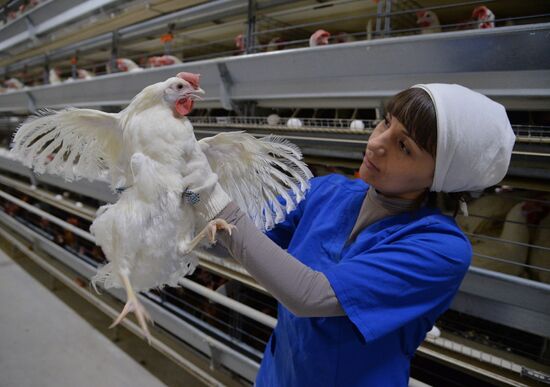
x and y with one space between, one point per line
71 142
254 172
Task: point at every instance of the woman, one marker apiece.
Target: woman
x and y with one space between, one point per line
370 265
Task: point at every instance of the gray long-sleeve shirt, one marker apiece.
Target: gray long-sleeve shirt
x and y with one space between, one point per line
303 291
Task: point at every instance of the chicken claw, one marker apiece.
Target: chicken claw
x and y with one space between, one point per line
209 231
133 305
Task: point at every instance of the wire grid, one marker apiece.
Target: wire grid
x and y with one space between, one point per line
494 335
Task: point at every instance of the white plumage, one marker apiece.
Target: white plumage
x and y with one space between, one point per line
144 149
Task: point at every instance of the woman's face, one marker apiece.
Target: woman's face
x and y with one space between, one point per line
394 164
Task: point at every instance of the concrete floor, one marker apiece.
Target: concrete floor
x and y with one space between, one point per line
43 342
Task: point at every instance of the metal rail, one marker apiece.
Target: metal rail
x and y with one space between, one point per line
355 75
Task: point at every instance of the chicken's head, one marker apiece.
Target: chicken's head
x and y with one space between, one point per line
426 18
319 38
484 16
122 64
155 61
240 43
181 91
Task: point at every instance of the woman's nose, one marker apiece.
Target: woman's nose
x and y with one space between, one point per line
375 151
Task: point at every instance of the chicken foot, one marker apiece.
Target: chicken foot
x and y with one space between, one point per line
209 231
133 305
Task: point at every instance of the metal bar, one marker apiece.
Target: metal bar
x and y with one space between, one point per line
510 262
251 27
506 241
467 366
542 287
229 303
45 196
114 51
51 218
484 357
387 18
378 30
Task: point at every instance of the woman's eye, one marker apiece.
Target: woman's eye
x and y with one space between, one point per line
386 122
404 147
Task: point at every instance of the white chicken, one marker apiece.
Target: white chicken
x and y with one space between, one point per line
164 60
344 37
148 234
484 212
85 74
240 44
319 38
539 255
13 84
483 17
428 22
275 44
511 256
127 65
54 77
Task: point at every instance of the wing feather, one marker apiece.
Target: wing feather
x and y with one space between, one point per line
72 142
255 171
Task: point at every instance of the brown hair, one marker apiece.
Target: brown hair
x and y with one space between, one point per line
415 110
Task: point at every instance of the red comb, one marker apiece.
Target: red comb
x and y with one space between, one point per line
193 79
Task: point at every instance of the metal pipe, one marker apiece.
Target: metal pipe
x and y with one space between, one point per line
53 219
510 278
251 27
229 303
387 19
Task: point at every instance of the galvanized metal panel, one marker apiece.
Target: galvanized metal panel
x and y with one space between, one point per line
115 89
208 11
95 189
506 300
510 64
44 18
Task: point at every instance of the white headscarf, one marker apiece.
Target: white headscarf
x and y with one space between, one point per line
474 139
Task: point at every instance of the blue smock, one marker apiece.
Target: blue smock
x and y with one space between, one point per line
393 281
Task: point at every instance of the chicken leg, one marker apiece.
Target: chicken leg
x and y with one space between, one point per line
133 305
209 231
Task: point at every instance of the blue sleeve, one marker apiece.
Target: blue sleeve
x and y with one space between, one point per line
391 285
282 233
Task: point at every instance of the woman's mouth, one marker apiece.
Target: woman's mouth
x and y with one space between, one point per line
370 165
